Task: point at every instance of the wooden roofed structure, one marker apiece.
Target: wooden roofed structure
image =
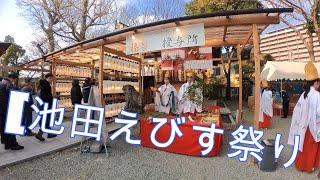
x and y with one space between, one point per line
228 28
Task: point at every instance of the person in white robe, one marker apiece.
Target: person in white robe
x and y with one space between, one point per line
166 97
266 109
306 123
186 105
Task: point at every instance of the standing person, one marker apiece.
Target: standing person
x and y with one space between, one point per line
266 111
166 97
9 140
86 89
46 96
306 123
27 115
76 94
285 103
186 105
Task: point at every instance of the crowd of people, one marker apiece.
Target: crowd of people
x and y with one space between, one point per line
44 91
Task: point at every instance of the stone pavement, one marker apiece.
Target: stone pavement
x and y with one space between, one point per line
34 148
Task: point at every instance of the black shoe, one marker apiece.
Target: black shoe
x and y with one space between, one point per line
30 133
52 135
2 142
39 136
284 117
17 147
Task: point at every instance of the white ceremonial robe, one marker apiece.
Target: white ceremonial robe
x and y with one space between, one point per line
306 114
266 102
185 105
164 97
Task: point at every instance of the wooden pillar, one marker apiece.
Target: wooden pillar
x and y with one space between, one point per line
256 46
155 79
92 70
54 81
100 78
141 56
240 84
256 41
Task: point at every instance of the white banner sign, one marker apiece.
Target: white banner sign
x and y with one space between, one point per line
198 64
177 37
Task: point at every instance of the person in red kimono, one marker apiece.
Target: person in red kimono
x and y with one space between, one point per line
266 110
306 123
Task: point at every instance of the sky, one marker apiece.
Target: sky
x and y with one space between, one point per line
11 23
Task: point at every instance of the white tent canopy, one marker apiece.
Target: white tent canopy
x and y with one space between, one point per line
274 70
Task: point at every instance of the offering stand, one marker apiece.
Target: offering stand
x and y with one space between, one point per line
188 144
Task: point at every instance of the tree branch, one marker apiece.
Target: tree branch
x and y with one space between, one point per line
297 32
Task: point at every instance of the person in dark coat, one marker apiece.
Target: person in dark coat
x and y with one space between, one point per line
46 96
76 94
86 90
285 104
27 115
6 85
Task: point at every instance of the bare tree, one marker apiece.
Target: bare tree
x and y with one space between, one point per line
167 9
83 19
41 14
305 12
145 11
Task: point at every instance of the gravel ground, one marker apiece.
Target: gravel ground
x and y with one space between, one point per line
136 162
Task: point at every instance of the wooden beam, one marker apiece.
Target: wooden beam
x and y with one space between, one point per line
94 44
245 42
3 67
139 75
121 54
233 42
36 64
256 47
240 85
224 33
154 77
238 21
57 61
54 72
100 78
92 70
224 59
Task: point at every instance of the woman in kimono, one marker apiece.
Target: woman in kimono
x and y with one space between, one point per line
186 105
306 123
266 111
166 97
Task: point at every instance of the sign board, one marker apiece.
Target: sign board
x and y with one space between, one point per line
94 97
198 58
177 37
173 59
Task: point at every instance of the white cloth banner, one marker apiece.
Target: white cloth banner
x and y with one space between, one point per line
198 64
